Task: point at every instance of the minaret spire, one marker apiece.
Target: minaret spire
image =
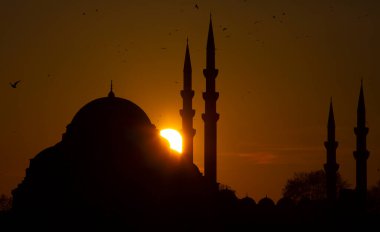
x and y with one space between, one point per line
210 55
331 167
210 117
187 112
361 154
111 93
331 123
187 67
361 107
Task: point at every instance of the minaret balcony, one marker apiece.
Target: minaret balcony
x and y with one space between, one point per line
187 112
210 73
360 131
187 93
361 155
210 96
331 144
331 167
210 116
188 132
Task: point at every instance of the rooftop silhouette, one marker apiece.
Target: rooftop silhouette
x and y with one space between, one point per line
112 169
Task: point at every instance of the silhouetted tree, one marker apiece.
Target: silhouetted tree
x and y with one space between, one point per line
226 198
309 185
375 190
374 196
5 202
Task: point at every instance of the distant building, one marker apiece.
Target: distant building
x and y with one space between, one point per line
361 154
349 197
331 167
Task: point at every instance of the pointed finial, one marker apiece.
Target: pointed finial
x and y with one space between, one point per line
361 107
210 47
331 120
111 94
361 85
361 95
187 64
331 112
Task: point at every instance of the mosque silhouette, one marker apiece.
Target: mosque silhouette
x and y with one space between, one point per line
112 168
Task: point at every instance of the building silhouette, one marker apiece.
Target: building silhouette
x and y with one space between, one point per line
361 154
331 167
210 117
112 169
354 198
187 112
111 166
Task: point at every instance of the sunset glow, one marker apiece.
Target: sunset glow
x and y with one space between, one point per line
174 138
280 64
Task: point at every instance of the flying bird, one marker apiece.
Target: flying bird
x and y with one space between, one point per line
196 6
14 84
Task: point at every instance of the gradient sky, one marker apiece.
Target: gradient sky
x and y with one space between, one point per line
279 64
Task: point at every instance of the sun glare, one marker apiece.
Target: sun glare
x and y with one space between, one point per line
174 138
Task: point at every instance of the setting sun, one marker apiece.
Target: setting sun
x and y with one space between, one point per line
174 138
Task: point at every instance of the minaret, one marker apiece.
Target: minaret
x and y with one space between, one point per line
331 167
210 117
187 112
361 154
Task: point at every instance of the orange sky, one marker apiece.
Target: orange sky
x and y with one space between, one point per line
279 63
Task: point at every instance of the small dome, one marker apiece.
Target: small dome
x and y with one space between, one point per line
247 201
266 202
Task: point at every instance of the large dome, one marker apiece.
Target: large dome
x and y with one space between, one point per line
108 118
107 108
